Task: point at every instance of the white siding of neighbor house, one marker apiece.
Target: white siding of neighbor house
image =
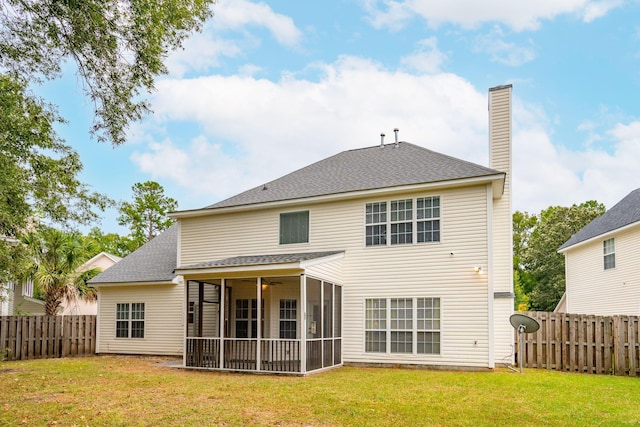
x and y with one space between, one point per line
164 327
415 270
501 267
593 290
26 306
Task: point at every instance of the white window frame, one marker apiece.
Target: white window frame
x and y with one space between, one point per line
283 217
424 331
130 320
388 226
290 306
609 253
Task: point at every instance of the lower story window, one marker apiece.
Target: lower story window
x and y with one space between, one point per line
402 325
130 320
288 316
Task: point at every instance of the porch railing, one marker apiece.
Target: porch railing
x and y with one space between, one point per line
276 355
203 353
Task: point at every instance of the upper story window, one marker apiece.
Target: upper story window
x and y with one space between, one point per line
409 221
609 251
376 224
294 227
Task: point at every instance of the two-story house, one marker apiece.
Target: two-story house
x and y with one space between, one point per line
602 263
391 254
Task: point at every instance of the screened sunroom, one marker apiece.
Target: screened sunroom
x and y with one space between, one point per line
267 314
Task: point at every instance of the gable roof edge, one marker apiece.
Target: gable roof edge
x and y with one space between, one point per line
500 176
564 248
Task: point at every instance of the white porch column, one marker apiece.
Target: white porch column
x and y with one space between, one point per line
221 326
258 320
303 324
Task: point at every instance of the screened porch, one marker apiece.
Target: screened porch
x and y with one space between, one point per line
282 324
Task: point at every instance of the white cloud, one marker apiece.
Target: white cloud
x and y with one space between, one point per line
546 175
598 9
228 35
253 130
237 14
427 59
501 51
518 15
267 129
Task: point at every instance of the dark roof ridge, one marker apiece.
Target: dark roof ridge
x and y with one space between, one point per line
361 169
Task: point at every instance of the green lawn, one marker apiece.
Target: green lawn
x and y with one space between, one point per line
136 391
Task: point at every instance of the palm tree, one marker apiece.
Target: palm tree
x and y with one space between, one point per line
55 257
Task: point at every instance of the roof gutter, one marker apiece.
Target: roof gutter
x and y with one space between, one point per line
496 179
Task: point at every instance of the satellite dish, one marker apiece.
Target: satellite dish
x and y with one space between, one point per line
524 325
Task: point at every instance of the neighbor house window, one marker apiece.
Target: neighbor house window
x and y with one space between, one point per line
288 316
609 250
294 227
409 221
402 325
130 320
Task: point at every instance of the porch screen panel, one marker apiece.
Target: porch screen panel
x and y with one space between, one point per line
314 324
327 323
314 308
337 312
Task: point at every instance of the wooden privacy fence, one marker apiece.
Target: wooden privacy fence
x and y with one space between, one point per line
41 337
582 343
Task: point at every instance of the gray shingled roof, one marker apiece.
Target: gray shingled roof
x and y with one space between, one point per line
362 169
153 262
250 260
625 212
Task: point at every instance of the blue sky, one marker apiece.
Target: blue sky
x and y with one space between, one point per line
269 87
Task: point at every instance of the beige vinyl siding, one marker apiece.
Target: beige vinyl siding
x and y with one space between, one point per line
331 271
415 270
593 290
501 267
163 329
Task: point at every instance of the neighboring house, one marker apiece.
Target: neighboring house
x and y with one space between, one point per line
602 263
21 301
391 255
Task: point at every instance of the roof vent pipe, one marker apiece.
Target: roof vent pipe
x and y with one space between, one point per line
396 130
381 140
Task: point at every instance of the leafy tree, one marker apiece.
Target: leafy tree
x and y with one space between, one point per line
39 172
112 243
119 48
523 281
55 257
147 216
539 256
